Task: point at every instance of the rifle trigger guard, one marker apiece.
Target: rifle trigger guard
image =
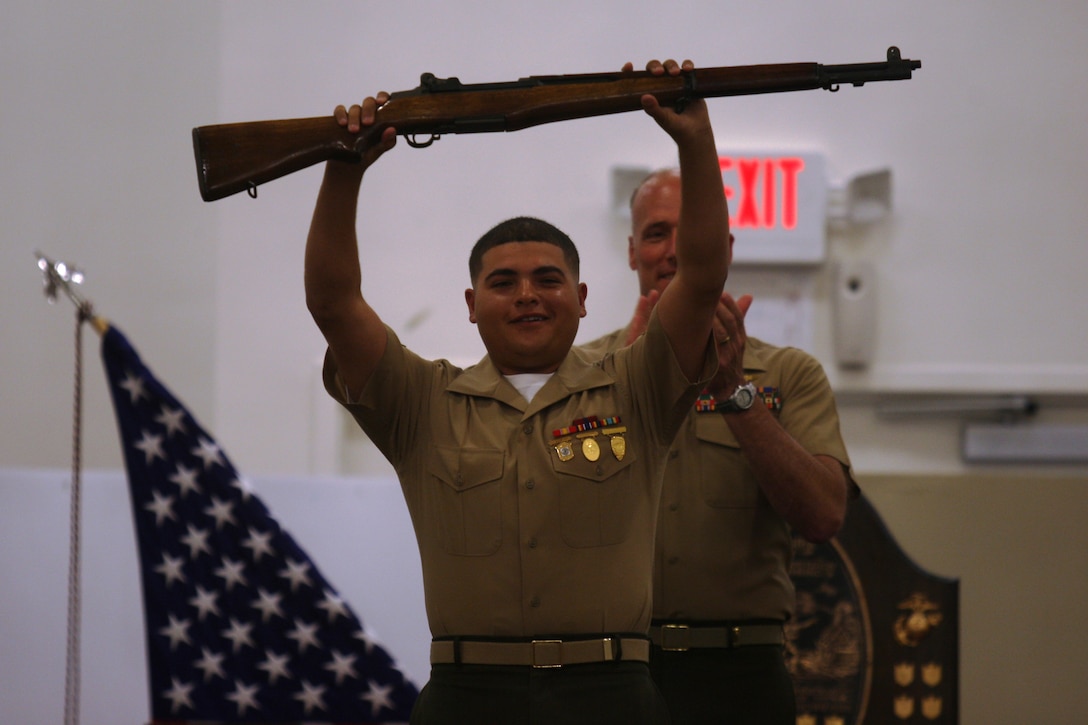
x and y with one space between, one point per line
411 140
251 189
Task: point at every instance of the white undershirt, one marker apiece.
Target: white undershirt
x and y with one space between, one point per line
528 383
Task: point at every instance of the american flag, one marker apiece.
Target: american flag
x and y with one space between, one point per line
241 626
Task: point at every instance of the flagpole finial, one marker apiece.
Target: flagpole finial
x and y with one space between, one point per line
60 276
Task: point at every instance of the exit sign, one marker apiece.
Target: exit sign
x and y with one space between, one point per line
777 206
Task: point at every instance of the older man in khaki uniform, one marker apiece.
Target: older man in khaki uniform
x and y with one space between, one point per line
759 456
532 478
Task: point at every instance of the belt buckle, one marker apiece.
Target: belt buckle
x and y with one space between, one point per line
540 647
675 637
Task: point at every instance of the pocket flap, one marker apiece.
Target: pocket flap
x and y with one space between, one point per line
465 468
712 428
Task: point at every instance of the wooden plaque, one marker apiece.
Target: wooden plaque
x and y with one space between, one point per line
875 639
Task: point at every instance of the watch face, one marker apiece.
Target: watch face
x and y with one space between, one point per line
744 397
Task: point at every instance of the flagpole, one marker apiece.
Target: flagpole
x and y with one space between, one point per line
60 276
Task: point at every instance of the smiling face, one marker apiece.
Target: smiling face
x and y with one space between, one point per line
655 217
526 302
655 221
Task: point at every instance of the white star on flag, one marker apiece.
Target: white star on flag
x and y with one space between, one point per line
151 445
207 451
204 602
259 543
245 696
305 635
276 666
210 663
377 696
231 572
197 541
268 603
333 605
342 666
239 634
185 478
162 506
311 697
134 384
178 695
173 419
171 570
295 572
177 632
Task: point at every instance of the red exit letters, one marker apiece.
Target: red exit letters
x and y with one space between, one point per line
765 193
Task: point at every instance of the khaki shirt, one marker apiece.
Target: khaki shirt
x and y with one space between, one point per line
722 552
513 540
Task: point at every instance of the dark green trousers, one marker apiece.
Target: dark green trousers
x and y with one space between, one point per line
609 693
738 686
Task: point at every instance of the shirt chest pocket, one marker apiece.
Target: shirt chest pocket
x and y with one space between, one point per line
464 504
598 500
725 479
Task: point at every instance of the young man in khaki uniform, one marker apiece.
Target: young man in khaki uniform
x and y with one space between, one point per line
533 478
760 457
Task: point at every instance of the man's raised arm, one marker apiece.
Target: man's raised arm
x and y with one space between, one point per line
353 330
688 304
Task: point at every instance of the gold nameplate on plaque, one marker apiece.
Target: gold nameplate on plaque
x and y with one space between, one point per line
931 707
904 707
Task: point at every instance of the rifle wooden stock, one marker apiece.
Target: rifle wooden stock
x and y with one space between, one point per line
238 157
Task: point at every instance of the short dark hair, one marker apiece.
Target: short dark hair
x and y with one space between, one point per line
522 229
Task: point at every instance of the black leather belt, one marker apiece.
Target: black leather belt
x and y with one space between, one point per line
540 652
681 637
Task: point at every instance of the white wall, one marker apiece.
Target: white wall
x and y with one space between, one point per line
981 249
980 269
96 100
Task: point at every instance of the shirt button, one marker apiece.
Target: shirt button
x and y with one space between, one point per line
527 429
674 507
530 484
674 454
534 602
532 543
674 559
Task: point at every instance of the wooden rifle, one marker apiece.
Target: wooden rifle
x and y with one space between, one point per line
236 157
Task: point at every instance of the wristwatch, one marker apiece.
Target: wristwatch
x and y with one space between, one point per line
741 399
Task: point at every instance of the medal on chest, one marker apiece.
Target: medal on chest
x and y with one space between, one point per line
587 431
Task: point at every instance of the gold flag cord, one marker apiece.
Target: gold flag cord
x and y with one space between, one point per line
60 277
75 607
72 661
